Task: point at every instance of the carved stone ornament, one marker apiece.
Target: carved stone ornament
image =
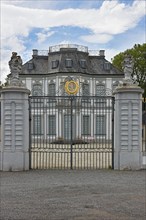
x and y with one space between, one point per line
15 65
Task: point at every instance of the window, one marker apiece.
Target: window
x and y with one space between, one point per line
37 90
30 66
100 90
68 63
83 63
37 125
85 89
107 66
86 125
51 125
51 89
100 125
55 64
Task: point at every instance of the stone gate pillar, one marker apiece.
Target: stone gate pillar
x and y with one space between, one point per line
128 123
128 128
15 129
14 124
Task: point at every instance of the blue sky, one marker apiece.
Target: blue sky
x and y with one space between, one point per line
112 25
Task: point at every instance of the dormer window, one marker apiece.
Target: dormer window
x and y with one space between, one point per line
55 64
83 63
30 66
107 66
68 63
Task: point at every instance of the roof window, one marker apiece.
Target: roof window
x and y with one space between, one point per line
107 66
68 63
55 64
83 63
30 66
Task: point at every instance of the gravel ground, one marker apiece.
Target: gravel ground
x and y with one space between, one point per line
73 195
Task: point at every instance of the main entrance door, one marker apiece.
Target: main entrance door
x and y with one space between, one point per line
71 132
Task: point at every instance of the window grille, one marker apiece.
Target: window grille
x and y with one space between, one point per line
100 90
37 90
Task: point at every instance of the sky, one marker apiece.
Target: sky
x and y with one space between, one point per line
110 25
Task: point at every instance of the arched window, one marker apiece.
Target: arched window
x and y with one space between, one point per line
100 89
85 89
37 89
51 89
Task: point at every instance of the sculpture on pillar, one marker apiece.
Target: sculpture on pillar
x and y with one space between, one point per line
15 65
128 65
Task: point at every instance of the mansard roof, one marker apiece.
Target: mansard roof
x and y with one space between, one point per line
82 61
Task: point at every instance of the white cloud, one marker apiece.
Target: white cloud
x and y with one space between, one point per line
94 38
43 36
111 18
110 53
103 23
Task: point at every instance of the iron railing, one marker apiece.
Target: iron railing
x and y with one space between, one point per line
71 132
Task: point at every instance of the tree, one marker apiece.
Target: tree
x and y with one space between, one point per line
138 52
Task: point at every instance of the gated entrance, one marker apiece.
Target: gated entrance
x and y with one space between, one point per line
73 132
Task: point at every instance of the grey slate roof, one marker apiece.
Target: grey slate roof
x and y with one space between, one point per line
94 64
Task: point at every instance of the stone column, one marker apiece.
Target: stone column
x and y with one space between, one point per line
14 121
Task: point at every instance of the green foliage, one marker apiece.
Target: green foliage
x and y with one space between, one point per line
138 52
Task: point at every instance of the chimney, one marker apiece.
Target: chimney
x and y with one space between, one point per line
101 53
35 52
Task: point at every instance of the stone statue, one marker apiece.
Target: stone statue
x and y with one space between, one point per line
15 65
128 65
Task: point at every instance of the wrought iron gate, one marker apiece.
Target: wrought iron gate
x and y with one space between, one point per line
73 132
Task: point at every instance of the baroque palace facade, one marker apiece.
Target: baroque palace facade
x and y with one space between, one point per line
70 71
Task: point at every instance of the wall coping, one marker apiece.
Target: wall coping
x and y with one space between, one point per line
15 89
128 88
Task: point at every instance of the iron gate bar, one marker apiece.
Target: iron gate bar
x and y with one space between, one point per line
113 109
71 165
44 150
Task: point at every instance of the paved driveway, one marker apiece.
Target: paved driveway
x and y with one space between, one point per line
73 195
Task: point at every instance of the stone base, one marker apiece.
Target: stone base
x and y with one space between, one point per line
125 160
14 161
